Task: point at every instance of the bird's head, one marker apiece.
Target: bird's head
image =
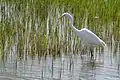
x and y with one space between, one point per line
67 15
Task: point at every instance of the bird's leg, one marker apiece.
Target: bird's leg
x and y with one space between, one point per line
91 52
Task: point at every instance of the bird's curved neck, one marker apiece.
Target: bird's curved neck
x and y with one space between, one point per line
73 27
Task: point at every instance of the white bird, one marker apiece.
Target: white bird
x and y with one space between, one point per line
87 36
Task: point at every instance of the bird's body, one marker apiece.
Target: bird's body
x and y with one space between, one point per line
87 36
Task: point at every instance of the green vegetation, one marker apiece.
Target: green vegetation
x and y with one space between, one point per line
29 27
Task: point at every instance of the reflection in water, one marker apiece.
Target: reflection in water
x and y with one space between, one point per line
64 67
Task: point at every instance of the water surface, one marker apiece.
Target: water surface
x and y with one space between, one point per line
64 67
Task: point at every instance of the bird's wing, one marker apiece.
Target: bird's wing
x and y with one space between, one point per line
89 37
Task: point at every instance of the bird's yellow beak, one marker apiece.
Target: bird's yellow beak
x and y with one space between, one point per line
60 17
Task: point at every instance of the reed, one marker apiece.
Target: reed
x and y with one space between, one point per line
31 25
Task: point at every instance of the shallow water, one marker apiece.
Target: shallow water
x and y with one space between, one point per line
65 67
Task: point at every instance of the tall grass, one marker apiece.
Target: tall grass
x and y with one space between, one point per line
30 27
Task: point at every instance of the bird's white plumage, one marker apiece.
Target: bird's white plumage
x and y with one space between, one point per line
89 37
84 34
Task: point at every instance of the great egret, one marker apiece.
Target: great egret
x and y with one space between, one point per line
87 36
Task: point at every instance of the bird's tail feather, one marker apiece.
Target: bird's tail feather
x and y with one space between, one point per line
103 43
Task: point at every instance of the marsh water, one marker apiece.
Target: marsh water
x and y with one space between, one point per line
64 67
34 45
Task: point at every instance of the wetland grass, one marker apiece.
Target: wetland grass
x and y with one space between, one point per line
30 28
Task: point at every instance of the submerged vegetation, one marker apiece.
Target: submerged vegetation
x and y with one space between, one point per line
30 27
